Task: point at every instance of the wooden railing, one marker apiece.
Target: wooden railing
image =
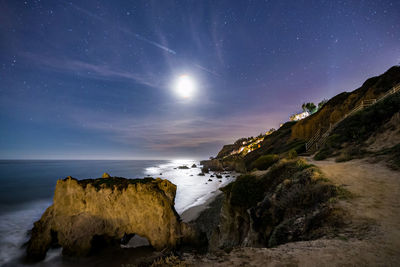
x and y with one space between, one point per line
318 140
313 139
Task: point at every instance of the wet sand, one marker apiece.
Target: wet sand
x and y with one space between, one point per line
193 213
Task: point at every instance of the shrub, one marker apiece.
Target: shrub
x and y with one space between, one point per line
246 191
323 154
282 170
264 162
292 154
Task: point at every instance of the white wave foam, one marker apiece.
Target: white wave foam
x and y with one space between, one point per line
14 226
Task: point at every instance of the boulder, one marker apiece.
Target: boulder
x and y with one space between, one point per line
184 167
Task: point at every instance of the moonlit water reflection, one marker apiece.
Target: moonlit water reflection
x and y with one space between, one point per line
192 190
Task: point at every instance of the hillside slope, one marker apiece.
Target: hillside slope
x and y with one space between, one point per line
293 135
374 132
371 238
341 104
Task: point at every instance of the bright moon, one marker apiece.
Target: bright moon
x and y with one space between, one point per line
185 86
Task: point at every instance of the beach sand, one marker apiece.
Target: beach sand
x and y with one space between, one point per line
193 213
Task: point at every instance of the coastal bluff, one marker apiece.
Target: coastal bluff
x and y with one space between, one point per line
88 213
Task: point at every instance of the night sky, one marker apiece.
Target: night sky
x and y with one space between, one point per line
97 79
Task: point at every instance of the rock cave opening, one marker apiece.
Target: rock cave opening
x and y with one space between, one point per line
134 241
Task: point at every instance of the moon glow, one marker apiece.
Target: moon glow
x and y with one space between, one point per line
185 86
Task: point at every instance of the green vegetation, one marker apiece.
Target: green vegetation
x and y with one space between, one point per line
293 201
320 104
292 154
289 203
278 142
245 192
264 162
118 182
343 193
352 132
309 107
299 189
393 155
341 104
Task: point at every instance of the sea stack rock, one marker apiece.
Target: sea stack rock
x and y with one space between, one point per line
110 208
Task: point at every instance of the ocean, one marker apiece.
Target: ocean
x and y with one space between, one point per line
27 188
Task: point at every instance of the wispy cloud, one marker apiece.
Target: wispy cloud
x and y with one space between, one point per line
91 70
122 29
139 37
207 70
154 134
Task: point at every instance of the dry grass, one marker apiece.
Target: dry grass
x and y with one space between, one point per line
170 261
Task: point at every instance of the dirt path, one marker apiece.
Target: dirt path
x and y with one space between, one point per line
377 191
372 239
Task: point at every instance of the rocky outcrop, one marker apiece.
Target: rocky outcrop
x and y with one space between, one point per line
227 150
290 203
229 163
212 164
86 211
233 163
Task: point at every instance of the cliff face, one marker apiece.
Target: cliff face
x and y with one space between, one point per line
228 163
291 202
107 209
227 149
279 142
341 104
292 135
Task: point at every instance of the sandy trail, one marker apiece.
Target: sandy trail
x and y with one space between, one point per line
372 238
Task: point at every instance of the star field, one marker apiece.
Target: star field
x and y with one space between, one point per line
92 79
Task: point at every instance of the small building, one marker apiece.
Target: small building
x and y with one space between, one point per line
299 116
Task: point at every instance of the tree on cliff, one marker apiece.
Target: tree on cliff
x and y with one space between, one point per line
320 104
310 107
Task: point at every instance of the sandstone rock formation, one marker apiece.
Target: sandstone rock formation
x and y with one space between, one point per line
84 211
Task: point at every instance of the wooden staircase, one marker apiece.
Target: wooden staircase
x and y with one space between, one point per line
320 137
